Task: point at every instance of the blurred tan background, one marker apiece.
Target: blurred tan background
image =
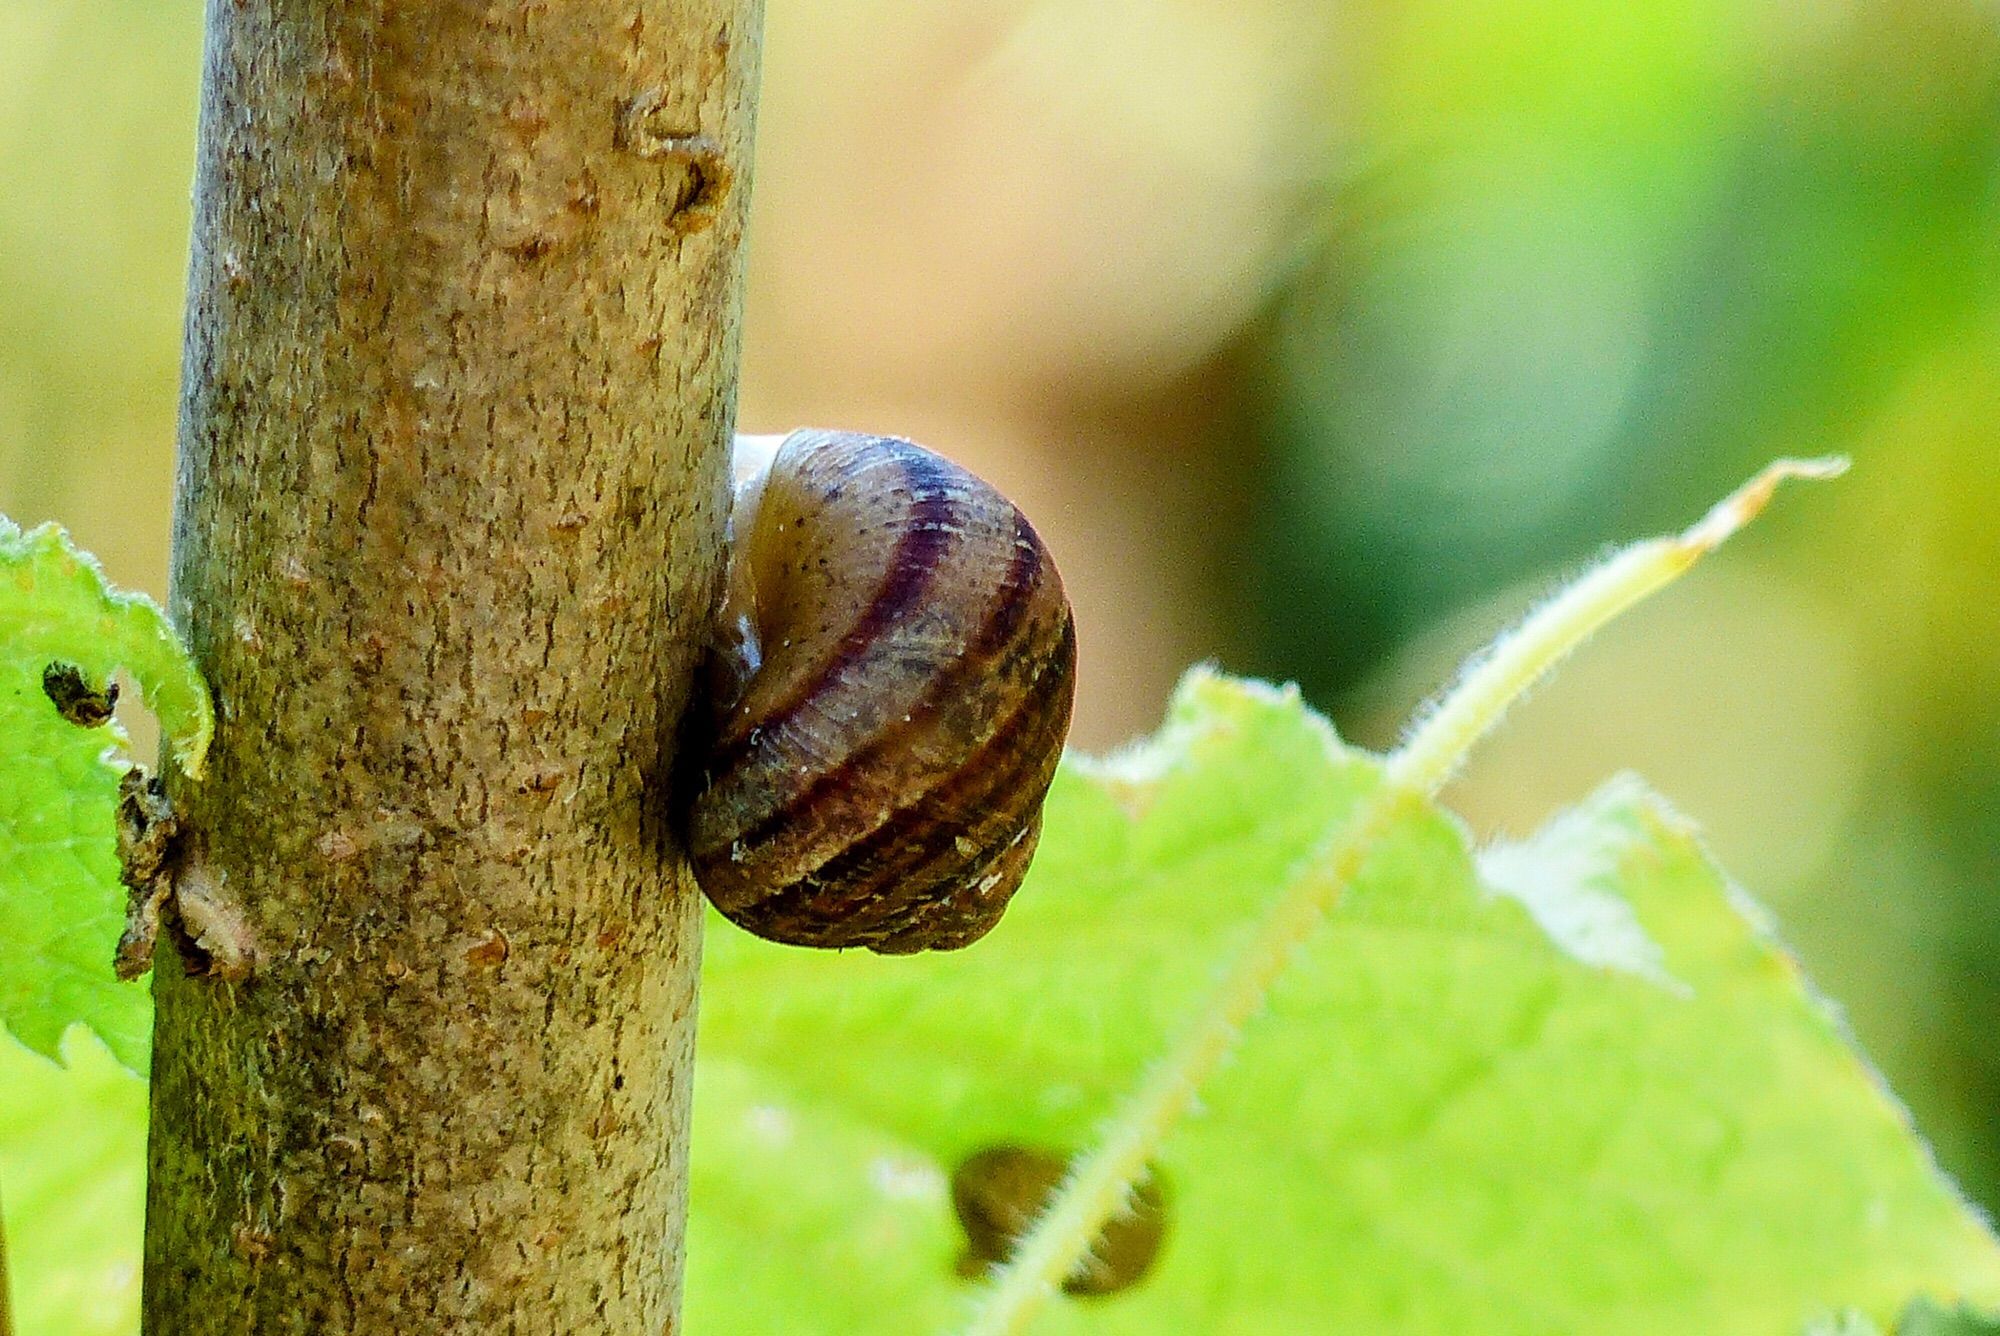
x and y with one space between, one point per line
1319 338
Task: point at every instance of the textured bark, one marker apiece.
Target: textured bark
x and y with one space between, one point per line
459 383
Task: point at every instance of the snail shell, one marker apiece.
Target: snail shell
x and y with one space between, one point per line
891 688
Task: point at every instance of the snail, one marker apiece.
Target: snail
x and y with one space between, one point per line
890 686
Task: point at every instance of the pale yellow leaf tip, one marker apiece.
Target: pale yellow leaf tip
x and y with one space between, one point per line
1747 502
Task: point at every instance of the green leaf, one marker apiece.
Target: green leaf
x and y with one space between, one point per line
1924 1318
1572 1086
73 1163
61 905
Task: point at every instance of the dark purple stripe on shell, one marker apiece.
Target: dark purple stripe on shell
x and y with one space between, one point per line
909 868
880 886
928 535
1013 600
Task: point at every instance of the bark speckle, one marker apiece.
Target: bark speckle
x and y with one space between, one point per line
487 953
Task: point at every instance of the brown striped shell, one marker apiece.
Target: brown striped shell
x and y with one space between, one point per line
895 679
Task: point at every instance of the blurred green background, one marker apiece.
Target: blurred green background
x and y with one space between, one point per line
1320 339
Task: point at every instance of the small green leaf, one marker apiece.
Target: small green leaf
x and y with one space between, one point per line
61 905
1573 1087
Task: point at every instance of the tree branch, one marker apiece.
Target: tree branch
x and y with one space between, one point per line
459 385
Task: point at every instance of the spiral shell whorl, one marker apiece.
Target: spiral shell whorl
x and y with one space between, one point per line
906 674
